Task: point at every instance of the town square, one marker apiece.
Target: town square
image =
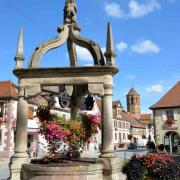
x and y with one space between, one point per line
90 90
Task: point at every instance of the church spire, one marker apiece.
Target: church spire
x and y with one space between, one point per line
19 54
110 52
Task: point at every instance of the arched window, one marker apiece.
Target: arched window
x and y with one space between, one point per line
132 100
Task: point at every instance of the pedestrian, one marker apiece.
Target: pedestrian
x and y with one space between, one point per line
34 148
151 147
161 148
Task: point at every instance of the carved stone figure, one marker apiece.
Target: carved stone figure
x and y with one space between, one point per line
70 11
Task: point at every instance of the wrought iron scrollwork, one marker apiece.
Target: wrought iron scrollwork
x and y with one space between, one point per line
64 99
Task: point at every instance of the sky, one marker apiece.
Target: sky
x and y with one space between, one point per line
146 38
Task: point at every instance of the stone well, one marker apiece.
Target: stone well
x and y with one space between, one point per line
100 169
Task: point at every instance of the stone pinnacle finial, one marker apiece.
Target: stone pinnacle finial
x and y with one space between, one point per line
19 54
110 52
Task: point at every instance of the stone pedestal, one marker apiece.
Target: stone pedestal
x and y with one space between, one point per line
15 166
112 169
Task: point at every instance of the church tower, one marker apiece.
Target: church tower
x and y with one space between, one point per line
133 102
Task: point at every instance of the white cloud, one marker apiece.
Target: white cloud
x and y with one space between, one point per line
83 54
138 10
155 88
122 46
135 9
114 10
145 47
130 77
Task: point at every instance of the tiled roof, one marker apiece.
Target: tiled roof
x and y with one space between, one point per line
170 99
145 117
8 90
132 91
127 116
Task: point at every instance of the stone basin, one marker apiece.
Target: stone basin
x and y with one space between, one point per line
73 170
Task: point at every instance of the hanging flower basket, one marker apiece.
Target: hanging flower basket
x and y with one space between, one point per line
170 122
73 133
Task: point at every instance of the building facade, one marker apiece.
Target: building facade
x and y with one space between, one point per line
166 114
8 113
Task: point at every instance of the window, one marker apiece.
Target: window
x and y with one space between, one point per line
132 100
127 125
124 136
169 114
115 136
118 112
120 124
1 109
115 124
0 136
124 125
120 137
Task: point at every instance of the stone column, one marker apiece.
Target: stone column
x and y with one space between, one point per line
107 149
20 157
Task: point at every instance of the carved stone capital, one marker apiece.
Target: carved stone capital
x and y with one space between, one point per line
21 91
108 87
96 89
32 91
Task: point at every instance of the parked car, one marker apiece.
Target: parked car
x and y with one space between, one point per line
132 146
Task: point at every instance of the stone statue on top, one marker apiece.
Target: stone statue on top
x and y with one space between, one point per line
70 11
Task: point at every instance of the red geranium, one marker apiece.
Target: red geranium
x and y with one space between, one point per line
76 132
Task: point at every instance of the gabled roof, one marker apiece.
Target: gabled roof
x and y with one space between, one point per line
114 103
170 99
134 122
117 103
8 90
132 92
